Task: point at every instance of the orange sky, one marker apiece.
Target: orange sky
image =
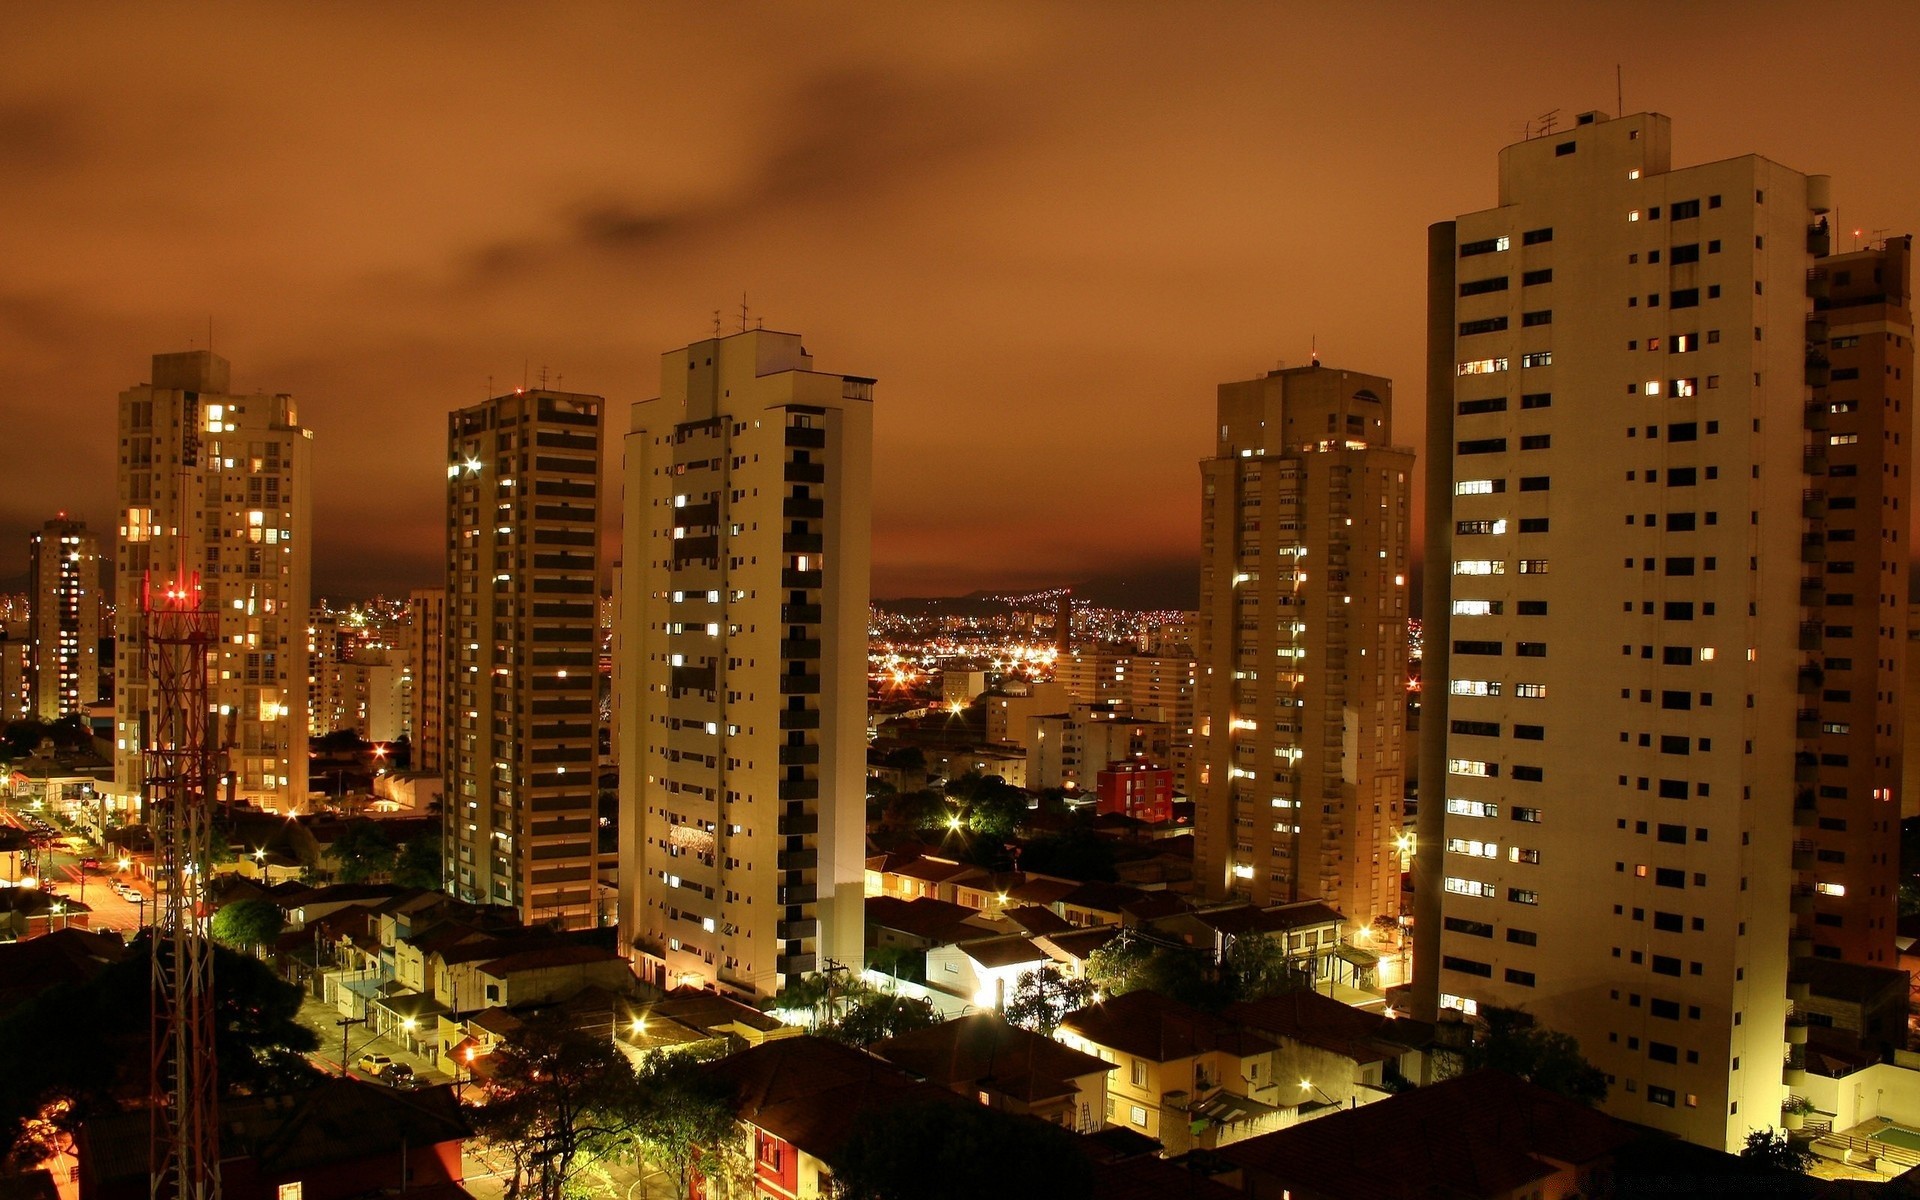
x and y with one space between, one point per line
1048 229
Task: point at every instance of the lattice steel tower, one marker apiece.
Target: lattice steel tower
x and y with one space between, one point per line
181 774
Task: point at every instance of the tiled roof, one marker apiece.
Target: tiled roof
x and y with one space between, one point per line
1151 1026
1081 942
1006 951
1312 1019
545 957
811 1093
932 870
1103 897
1480 1135
1043 891
1036 920
983 1050
937 921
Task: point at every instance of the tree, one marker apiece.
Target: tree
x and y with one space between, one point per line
49 1086
1079 853
1129 963
362 851
941 1149
685 1121
900 962
908 812
871 1016
245 924
1513 1043
418 863
564 1098
1775 1149
1042 998
1257 967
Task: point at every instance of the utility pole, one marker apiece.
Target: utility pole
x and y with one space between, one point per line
343 1022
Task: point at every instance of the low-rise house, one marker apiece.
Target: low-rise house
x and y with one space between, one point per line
921 924
70 957
981 973
549 973
29 912
1484 1136
1185 1077
800 1099
1340 1055
1308 933
1015 1070
1071 949
924 876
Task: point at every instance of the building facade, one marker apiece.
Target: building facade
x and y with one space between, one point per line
741 664
64 590
1624 712
1302 644
523 510
215 492
426 648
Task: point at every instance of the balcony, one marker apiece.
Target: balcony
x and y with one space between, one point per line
1803 855
799 893
802 543
802 507
1819 370
799 614
1819 239
1813 592
799 756
1813 418
1816 330
1814 461
799 472
803 438
799 718
1806 768
800 648
798 685
1813 504
1818 284
1806 722
802 824
789 931
1810 635
798 860
790 578
794 964
1801 901
798 789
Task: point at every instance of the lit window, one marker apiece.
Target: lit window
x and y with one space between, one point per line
1483 366
1480 566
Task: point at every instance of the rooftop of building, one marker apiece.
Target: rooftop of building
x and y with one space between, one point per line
924 917
811 1093
983 1050
1008 951
1159 1029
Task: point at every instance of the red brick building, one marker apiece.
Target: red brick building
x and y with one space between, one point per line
1137 788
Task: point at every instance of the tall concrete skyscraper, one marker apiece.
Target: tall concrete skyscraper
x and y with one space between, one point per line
217 485
523 510
1301 644
1641 696
64 594
426 650
741 663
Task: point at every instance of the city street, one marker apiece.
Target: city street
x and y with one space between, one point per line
93 888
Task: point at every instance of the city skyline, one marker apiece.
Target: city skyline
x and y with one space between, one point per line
1101 213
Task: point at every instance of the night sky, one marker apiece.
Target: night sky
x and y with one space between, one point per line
1048 229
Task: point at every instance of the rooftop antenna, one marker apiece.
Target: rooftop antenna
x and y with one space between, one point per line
716 322
524 365
543 377
1313 349
1547 120
1619 92
743 312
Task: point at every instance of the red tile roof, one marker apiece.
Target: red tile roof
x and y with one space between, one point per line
811 1093
1481 1135
937 921
545 957
1151 1026
1315 1020
982 1050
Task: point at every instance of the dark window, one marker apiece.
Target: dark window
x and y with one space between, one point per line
1679 522
1537 400
1529 774
1523 978
1530 649
1488 246
1684 210
1493 404
1533 237
1470 928
1542 317
1564 149
1679 565
1483 446
1675 744
1523 937
1677 610
1484 325
1533 277
1460 647
1669 877
1480 287
1666 1010
1536 441
1668 922
1533 608
1682 477
1663 965
1682 431
1530 733
1684 298
1466 966
1533 524
1678 700
1535 483
1478 728
1686 254
1677 656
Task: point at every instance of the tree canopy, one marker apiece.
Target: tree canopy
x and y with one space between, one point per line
244 924
562 1098
1042 998
1513 1043
362 851
1776 1149
418 863
49 1085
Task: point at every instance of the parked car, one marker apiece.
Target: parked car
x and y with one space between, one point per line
401 1075
375 1064
89 864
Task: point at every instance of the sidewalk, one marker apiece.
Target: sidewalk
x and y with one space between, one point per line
321 1017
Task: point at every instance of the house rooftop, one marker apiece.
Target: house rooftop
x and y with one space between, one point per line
1151 1026
983 1050
811 1093
1485 1134
937 921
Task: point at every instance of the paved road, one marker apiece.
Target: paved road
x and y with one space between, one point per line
91 888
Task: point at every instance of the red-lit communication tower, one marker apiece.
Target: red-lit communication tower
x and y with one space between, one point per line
181 775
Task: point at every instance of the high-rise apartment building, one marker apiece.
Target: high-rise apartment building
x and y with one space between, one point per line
741 662
521 787
1301 644
427 653
1646 654
1847 861
216 485
1151 687
64 591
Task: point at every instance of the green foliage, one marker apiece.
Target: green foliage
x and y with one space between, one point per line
1513 1043
362 851
1042 998
901 962
258 1045
909 812
418 863
564 1097
1256 967
1129 964
869 1016
1775 1149
956 1150
994 808
247 923
685 1121
1078 853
